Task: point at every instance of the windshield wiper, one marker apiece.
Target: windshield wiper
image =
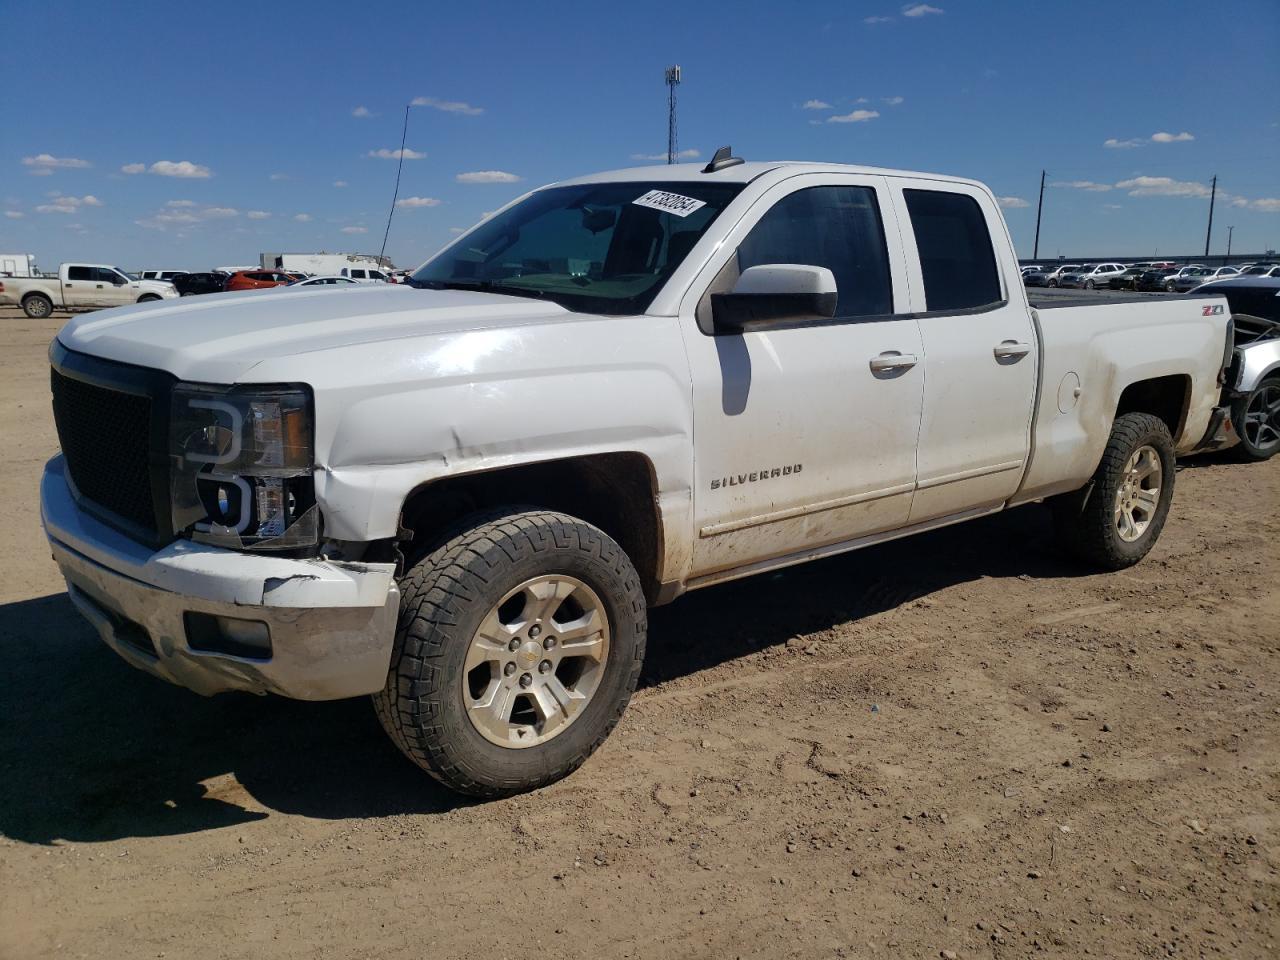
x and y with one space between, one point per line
488 286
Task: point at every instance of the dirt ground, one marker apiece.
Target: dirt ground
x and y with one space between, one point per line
958 744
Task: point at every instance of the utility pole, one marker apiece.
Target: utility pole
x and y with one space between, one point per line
1213 195
1230 230
1035 253
673 81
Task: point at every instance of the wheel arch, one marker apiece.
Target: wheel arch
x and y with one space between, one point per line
617 492
1166 397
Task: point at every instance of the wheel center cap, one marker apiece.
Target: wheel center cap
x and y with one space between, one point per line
529 654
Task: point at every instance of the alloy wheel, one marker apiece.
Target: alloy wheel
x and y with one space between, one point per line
1138 496
536 661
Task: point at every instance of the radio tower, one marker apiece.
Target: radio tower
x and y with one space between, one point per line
673 80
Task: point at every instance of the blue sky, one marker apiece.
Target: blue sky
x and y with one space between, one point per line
158 137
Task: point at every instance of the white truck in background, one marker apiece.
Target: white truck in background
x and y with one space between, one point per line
461 494
81 286
18 265
321 264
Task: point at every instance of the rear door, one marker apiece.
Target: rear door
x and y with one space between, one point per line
83 288
980 348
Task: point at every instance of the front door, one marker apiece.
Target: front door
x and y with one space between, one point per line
805 431
980 346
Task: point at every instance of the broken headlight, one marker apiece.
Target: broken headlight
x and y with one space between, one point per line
240 472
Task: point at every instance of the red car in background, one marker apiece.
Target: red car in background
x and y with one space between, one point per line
260 279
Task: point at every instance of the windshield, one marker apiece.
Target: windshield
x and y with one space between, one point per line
125 273
598 247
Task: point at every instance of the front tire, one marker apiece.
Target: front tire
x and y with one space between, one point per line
1256 416
1114 520
1089 285
147 298
37 306
519 643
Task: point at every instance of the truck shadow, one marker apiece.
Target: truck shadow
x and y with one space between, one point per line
92 750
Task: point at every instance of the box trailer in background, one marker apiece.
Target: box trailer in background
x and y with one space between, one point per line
18 265
321 264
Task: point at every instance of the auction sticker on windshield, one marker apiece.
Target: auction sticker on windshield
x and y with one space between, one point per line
669 202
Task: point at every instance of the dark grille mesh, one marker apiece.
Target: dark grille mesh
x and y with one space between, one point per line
105 437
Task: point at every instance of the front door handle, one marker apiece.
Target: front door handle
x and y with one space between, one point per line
1011 349
893 360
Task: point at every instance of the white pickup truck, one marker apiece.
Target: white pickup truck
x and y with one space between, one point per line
462 494
81 286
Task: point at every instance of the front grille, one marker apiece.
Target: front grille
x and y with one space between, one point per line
105 437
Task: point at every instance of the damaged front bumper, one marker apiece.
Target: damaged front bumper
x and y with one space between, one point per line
212 619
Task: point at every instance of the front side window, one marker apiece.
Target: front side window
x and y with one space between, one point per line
956 256
596 247
834 227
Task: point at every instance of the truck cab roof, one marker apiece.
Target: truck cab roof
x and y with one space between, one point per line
746 172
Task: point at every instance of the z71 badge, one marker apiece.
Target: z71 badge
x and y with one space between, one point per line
768 473
1213 310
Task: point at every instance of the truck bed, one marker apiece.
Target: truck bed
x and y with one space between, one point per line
1042 300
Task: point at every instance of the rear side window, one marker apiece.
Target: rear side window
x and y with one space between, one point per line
956 256
78 273
834 227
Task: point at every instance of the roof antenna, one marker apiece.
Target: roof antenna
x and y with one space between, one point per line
723 158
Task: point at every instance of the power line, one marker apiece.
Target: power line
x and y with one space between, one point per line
1035 254
404 133
1213 195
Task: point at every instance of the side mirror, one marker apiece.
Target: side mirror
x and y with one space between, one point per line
776 291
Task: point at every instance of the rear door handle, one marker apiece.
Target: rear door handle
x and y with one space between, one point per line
893 360
1011 348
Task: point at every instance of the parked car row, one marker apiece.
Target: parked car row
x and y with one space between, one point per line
1151 276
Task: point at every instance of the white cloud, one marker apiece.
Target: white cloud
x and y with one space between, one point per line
257 214
1012 203
355 229
413 202
361 112
219 213
487 176
1163 137
862 100
278 176
339 183
1162 187
47 163
1114 144
180 168
893 101
1082 185
689 154
302 217
816 105
395 154
14 214
448 106
134 168
1266 204
181 203
857 116
919 10
62 204
875 20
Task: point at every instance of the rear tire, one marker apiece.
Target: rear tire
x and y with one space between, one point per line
37 306
494 717
1114 520
1256 417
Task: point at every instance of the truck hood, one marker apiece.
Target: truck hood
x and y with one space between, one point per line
219 338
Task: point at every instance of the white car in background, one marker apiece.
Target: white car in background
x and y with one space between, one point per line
1091 277
165 275
365 275
319 282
